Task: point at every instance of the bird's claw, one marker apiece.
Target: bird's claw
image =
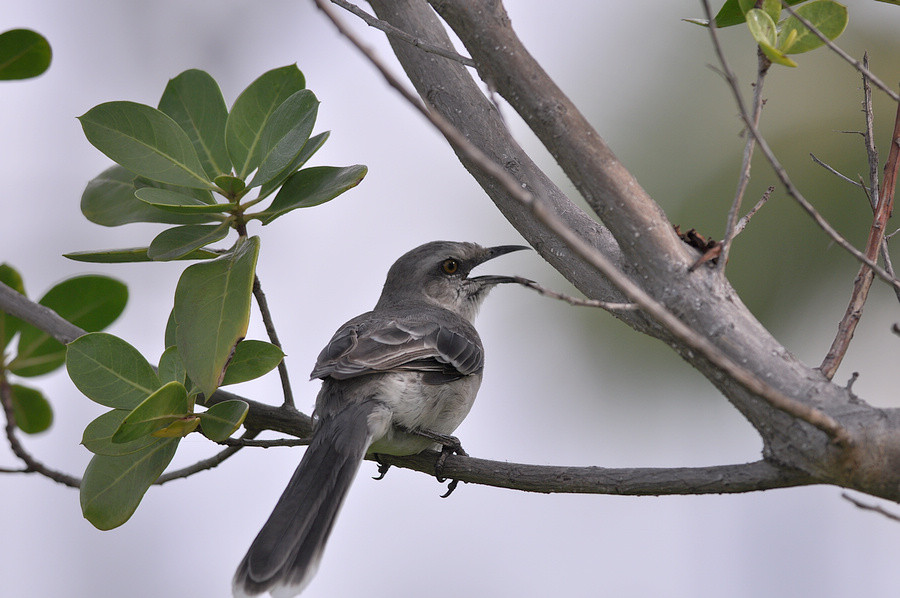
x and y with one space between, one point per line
382 468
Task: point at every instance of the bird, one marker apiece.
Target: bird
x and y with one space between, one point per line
396 380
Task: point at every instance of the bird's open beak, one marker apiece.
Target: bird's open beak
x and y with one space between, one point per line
489 254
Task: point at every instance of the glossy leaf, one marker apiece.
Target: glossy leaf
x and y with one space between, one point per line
113 486
174 243
251 360
212 311
146 142
10 325
157 411
109 371
285 134
762 27
309 148
109 200
311 187
770 7
98 434
829 17
23 54
89 302
32 411
251 110
130 255
223 419
172 201
194 101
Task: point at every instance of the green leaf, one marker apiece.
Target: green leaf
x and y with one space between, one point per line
222 419
113 486
827 16
770 7
212 311
762 27
172 201
251 110
109 200
23 54
311 187
89 302
194 101
170 367
145 141
177 242
251 360
285 134
98 434
31 410
776 56
179 428
10 325
230 185
131 254
309 148
109 371
731 13
171 326
157 411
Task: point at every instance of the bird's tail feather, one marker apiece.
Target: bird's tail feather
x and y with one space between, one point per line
286 552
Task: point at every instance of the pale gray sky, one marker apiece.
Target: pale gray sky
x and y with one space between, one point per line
554 394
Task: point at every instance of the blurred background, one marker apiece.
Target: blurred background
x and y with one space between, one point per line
575 388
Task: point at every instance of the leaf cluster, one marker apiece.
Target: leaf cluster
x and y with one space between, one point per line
194 164
777 38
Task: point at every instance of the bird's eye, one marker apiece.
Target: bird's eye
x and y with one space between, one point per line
450 266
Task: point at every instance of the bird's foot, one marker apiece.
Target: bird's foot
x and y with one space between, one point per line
382 468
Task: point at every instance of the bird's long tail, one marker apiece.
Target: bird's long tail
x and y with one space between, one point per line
286 552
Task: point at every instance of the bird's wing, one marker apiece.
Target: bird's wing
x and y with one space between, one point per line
404 343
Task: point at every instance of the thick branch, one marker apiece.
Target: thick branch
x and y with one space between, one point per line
637 222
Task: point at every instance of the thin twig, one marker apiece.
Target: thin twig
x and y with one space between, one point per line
745 220
32 465
874 243
603 264
780 171
273 336
863 69
204 464
838 174
744 180
402 35
868 507
607 305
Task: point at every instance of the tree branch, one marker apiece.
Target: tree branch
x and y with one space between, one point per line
883 203
639 481
263 305
32 465
402 35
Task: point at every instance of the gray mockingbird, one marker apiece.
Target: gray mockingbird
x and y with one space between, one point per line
396 381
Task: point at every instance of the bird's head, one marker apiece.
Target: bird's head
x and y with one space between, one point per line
438 273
